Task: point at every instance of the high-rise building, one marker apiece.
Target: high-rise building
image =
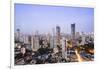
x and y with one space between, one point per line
48 37
17 35
83 36
73 30
77 35
58 36
53 36
25 39
32 42
63 43
36 40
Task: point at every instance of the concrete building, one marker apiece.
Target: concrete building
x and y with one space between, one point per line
36 40
58 36
17 35
73 30
26 39
63 43
32 42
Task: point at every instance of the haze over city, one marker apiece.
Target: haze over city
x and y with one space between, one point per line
30 18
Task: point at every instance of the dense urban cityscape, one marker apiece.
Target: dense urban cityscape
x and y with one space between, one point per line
55 47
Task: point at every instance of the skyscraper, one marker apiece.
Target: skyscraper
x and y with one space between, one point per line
58 36
36 39
17 35
73 30
53 36
32 42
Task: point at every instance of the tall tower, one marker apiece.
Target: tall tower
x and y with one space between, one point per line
73 30
48 38
32 42
18 35
36 39
58 35
53 36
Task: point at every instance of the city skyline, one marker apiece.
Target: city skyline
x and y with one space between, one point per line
29 18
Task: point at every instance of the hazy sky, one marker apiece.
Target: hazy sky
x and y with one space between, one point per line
29 18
